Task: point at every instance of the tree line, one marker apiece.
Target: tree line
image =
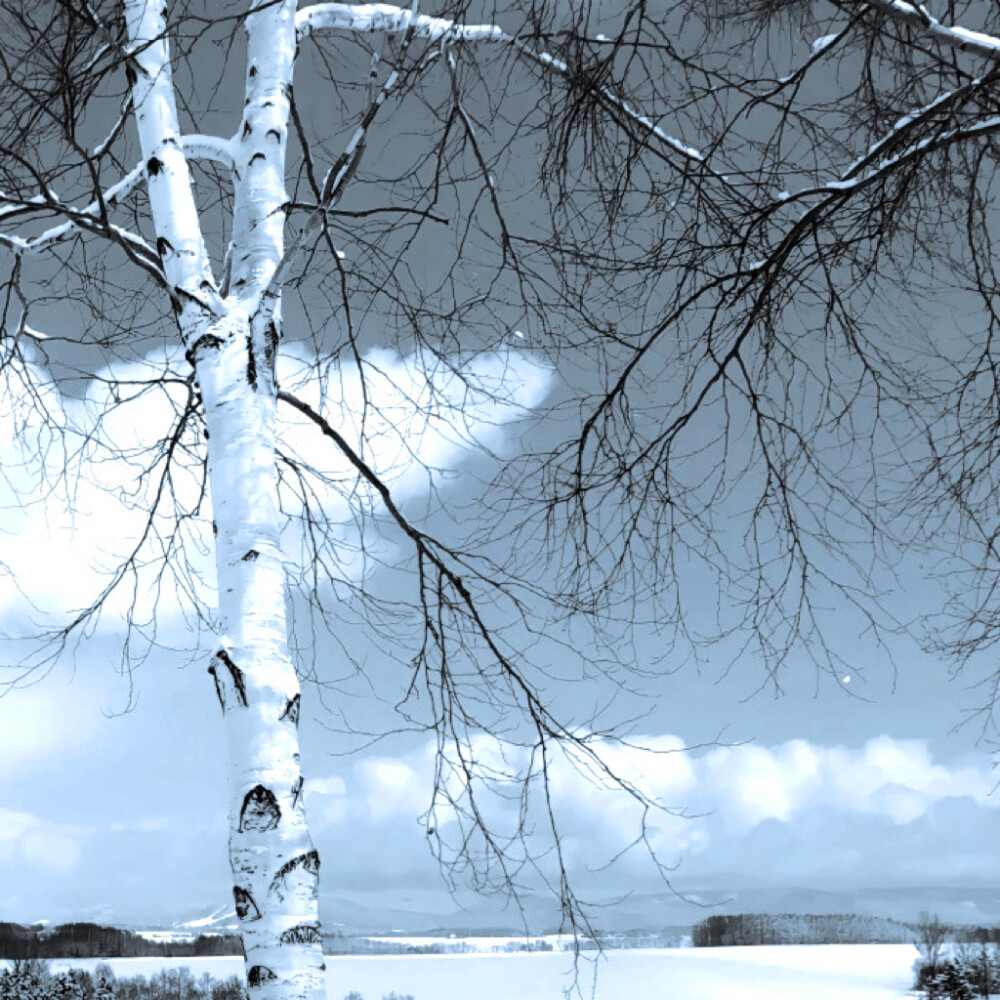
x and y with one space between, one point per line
724 930
86 940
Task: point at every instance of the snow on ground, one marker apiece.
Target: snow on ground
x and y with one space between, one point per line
486 944
788 972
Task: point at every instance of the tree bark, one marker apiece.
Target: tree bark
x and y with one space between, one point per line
275 866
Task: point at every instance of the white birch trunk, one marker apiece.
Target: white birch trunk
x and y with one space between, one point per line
275 867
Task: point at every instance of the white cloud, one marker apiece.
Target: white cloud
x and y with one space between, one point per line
393 788
713 800
326 801
316 787
887 776
48 721
26 839
64 533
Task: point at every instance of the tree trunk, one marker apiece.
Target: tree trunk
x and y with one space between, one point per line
275 867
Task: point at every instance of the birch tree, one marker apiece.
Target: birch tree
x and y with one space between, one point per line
163 179
707 219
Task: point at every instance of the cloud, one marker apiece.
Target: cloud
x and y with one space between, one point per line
75 503
326 801
27 840
888 777
394 788
796 810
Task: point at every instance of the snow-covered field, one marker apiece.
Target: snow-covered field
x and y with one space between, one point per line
791 972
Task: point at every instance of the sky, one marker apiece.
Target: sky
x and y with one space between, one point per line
113 788
113 797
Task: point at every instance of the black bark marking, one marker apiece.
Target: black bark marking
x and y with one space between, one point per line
207 341
291 712
171 141
301 934
238 681
258 975
246 908
250 556
270 343
251 365
247 129
256 157
295 872
297 791
163 246
220 693
275 133
215 527
131 78
253 71
153 166
260 810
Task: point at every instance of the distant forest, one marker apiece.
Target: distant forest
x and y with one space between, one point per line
93 941
791 928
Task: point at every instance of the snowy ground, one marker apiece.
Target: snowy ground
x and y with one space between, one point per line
791 972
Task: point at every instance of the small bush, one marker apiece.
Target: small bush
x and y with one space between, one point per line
963 971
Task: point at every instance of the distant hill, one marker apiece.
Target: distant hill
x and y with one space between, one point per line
378 913
423 911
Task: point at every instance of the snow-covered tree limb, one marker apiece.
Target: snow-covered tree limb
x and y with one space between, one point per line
175 216
916 15
195 147
375 17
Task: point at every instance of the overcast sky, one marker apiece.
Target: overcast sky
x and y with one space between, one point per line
121 815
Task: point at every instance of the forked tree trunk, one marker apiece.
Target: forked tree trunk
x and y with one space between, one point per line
275 867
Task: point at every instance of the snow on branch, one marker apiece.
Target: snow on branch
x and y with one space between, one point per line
168 179
385 17
203 147
916 15
854 179
612 100
913 120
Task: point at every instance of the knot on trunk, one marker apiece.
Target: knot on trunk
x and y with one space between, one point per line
301 934
239 681
299 875
291 712
258 975
246 908
260 810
